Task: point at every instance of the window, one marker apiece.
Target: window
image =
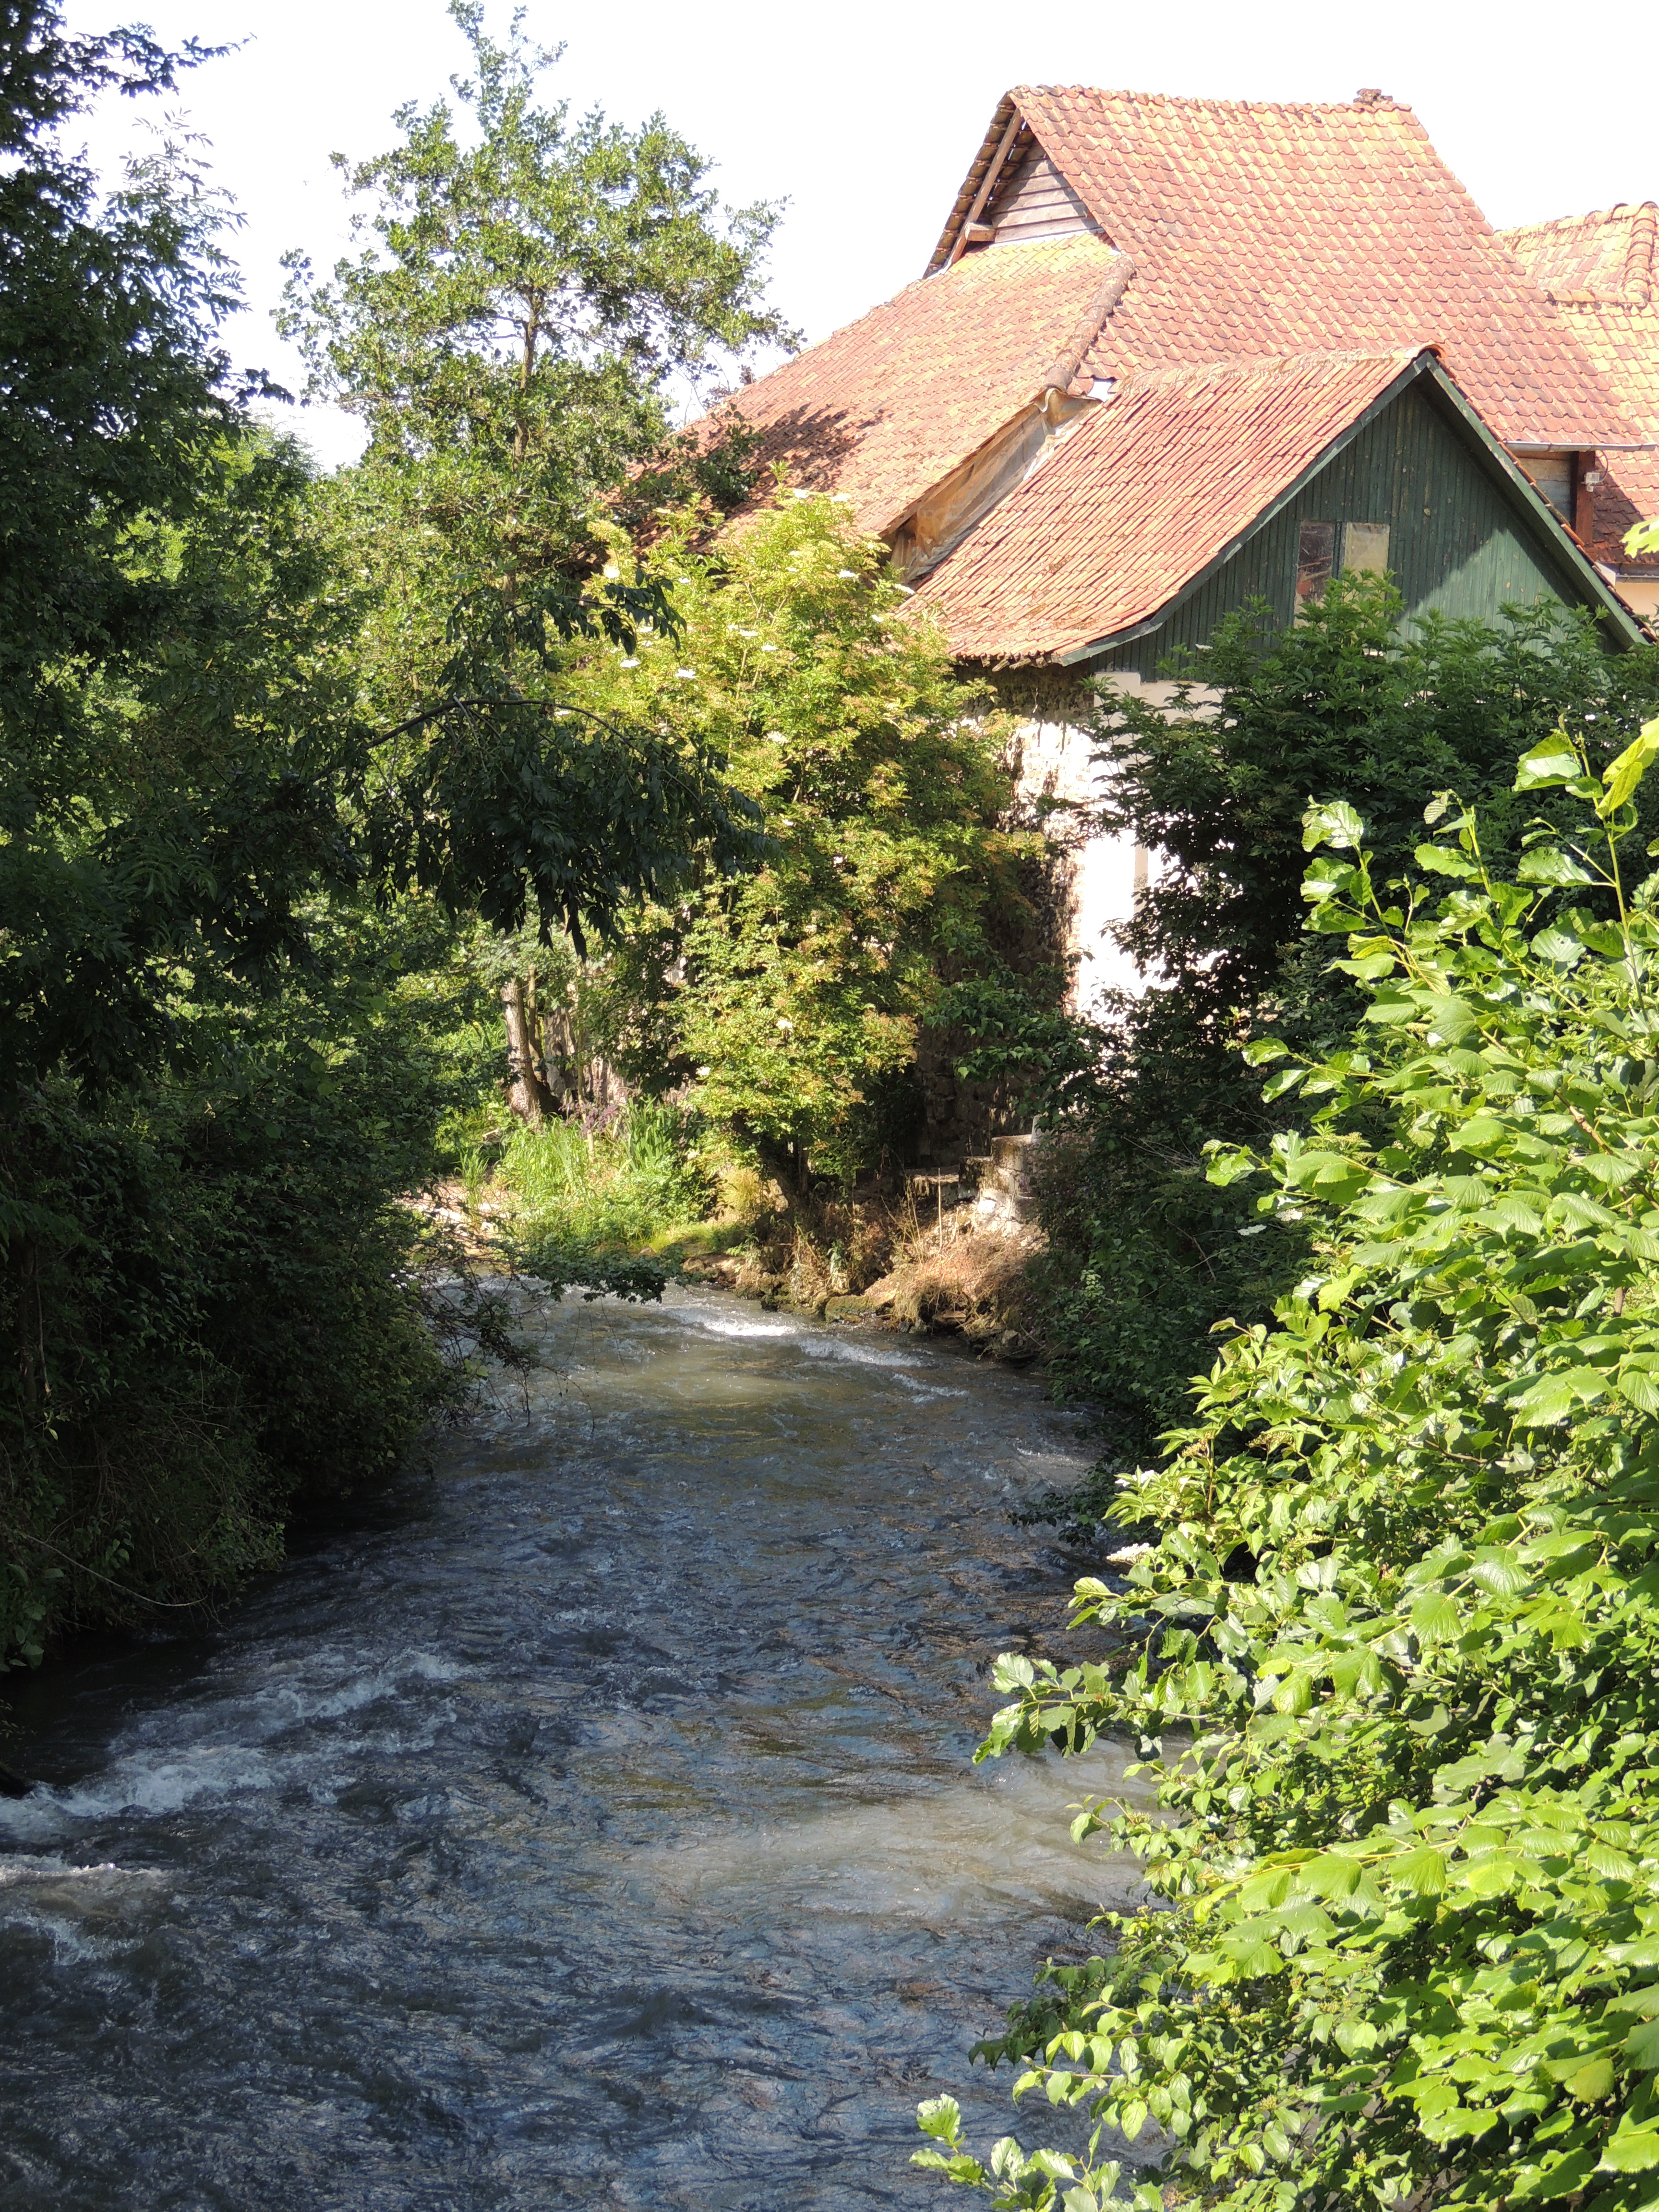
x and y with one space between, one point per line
1364 548
1316 556
1555 476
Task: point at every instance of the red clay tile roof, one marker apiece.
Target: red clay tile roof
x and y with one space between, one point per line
1600 269
1607 255
885 408
1143 495
1264 230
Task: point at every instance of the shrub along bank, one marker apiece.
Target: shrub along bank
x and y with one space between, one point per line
1147 1255
1392 1657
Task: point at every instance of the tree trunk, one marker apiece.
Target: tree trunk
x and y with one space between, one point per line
524 1093
559 1057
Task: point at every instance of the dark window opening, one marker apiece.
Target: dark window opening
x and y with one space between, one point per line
1365 551
1314 558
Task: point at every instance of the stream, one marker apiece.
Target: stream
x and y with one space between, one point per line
590 1822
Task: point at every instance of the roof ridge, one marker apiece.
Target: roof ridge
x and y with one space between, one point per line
1380 103
1591 215
1635 276
1072 355
1229 365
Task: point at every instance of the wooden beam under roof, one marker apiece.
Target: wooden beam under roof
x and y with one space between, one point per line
993 169
970 200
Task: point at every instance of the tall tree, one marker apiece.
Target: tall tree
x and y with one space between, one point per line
508 337
507 333
790 1001
119 417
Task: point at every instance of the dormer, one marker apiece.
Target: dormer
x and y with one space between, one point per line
1014 192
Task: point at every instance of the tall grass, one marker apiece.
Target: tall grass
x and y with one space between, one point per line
631 1183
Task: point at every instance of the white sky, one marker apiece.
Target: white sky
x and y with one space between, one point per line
864 114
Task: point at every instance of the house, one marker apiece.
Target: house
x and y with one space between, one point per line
1596 270
1171 355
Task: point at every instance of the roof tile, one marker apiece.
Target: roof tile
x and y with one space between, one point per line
886 408
1600 269
1201 184
1142 496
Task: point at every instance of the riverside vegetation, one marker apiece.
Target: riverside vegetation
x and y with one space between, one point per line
300 776
266 782
1397 1612
299 773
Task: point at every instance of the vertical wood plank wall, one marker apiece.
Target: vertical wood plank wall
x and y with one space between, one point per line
1458 544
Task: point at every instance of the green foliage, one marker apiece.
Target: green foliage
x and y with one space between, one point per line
507 337
111 371
1340 704
269 749
1012 2178
1130 1328
209 1325
1147 1258
1392 1658
532 284
786 998
581 1189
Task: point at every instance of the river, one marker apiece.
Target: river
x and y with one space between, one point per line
592 1822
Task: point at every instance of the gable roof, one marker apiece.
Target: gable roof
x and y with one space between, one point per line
887 408
1152 490
1264 230
1599 271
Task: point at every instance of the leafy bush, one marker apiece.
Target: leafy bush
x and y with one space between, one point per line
786 1002
234 701
1400 1615
1146 1258
210 1328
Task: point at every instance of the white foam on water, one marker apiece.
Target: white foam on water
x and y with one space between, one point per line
30 1866
163 1782
72 1945
856 1354
227 1755
723 1328
293 1701
964 1853
929 1389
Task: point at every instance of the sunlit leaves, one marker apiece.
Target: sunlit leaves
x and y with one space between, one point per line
1394 1656
1622 774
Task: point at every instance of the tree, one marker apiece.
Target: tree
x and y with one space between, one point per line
1345 704
119 406
785 998
507 338
1147 1255
223 828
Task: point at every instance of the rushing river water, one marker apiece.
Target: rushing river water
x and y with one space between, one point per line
595 1827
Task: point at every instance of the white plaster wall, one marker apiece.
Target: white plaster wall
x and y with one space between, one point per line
1108 874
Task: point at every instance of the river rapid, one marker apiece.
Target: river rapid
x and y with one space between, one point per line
592 1824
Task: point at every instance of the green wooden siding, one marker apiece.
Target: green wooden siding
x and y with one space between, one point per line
1460 542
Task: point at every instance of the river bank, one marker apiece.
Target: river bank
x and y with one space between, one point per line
874 1257
596 1827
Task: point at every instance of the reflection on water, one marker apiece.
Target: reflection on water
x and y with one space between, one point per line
597 1829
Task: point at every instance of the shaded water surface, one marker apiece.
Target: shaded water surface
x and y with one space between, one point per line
596 1828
